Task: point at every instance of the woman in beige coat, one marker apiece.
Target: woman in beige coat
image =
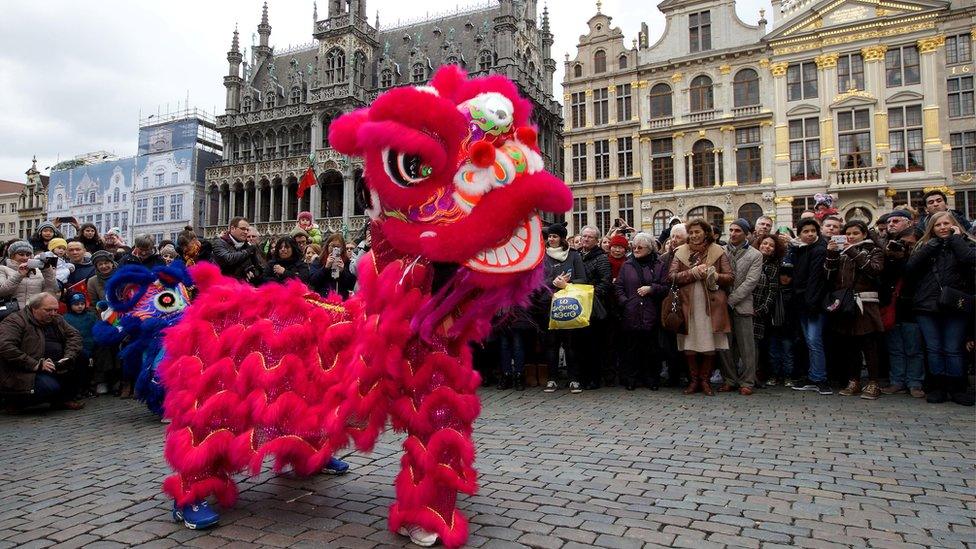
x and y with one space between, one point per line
703 274
20 281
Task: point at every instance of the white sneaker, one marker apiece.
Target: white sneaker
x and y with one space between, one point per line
166 420
101 389
575 388
418 535
550 387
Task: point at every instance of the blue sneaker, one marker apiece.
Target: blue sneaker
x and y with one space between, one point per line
198 516
336 466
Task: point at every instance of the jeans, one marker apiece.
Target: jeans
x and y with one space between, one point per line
812 327
905 355
944 336
780 355
512 349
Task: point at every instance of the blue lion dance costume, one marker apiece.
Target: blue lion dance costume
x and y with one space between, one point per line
140 304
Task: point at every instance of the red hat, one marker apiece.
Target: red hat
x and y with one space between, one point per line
619 240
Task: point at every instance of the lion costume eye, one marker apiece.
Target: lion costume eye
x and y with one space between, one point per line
168 302
406 169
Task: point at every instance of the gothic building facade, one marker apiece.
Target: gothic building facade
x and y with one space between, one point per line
279 104
718 118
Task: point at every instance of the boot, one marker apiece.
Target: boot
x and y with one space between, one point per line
505 382
705 373
959 392
938 394
693 372
542 375
531 375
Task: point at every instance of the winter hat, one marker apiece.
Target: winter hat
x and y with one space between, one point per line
619 240
823 199
55 243
20 246
46 225
103 255
77 297
305 215
169 248
558 228
743 224
298 232
900 213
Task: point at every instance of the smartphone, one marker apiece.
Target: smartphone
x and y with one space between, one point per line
840 239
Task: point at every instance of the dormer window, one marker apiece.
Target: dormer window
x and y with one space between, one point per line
622 62
700 31
600 62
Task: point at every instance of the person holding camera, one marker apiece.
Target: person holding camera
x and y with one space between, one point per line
22 276
232 253
39 354
332 273
904 337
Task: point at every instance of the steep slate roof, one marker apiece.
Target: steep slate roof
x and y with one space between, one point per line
466 27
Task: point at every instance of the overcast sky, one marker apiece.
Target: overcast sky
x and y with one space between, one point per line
75 75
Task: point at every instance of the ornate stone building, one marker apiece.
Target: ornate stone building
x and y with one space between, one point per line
32 205
280 104
874 103
9 197
869 100
673 128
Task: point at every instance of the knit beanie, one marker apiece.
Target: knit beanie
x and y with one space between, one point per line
557 228
167 249
55 243
619 240
743 224
20 246
103 255
77 297
46 225
305 215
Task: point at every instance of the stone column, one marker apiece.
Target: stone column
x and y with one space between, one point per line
590 161
348 194
728 151
784 211
716 154
315 197
257 204
931 132
678 155
588 107
284 199
247 203
233 204
781 159
614 173
642 151
874 81
611 103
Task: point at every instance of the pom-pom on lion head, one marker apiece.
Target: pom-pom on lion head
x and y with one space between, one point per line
454 172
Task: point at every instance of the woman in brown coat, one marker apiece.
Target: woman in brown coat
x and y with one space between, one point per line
703 274
857 265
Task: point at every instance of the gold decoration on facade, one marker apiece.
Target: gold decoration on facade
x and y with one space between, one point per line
677 135
783 200
876 29
890 193
853 93
778 69
943 188
725 69
764 62
727 128
676 77
931 44
589 93
874 53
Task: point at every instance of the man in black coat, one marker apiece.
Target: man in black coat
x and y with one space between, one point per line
232 253
809 287
595 337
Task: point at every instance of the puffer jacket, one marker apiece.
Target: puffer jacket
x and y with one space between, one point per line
859 267
941 262
14 285
641 313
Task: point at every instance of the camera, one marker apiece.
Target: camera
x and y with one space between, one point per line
34 264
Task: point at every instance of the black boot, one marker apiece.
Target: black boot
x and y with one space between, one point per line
959 392
519 382
505 382
937 395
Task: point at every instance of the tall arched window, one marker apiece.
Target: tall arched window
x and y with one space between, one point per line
326 122
750 212
335 66
270 99
359 67
661 101
622 62
386 78
419 73
600 62
296 96
247 103
703 163
577 70
745 88
660 220
270 144
702 98
484 60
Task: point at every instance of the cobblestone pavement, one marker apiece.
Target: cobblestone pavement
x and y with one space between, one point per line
608 468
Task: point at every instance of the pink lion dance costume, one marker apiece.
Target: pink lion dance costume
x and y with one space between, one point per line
456 181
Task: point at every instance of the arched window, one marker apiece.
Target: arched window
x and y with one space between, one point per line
386 78
702 98
703 163
577 70
326 122
745 88
419 74
661 101
335 66
622 62
660 220
246 147
283 142
270 143
750 212
359 67
258 143
713 215
484 60
296 96
247 103
600 62
270 99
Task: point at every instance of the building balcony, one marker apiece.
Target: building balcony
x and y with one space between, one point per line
752 110
702 116
276 164
660 123
328 225
857 178
263 115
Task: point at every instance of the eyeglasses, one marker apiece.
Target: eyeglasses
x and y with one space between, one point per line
641 247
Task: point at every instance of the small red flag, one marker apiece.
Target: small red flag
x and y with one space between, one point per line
307 182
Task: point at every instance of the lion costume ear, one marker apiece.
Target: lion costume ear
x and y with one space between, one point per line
344 132
448 80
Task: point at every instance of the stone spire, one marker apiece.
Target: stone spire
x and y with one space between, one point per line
545 18
315 17
235 43
233 79
264 29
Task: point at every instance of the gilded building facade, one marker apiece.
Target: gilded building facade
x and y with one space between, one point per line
279 104
869 100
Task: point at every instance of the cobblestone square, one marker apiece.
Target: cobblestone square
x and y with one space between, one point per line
607 468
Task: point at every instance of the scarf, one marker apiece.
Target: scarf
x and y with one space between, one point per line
615 265
558 254
190 252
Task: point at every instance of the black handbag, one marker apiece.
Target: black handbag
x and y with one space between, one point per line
953 300
841 302
8 307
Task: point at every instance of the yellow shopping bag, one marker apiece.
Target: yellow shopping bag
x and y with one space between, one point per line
571 307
